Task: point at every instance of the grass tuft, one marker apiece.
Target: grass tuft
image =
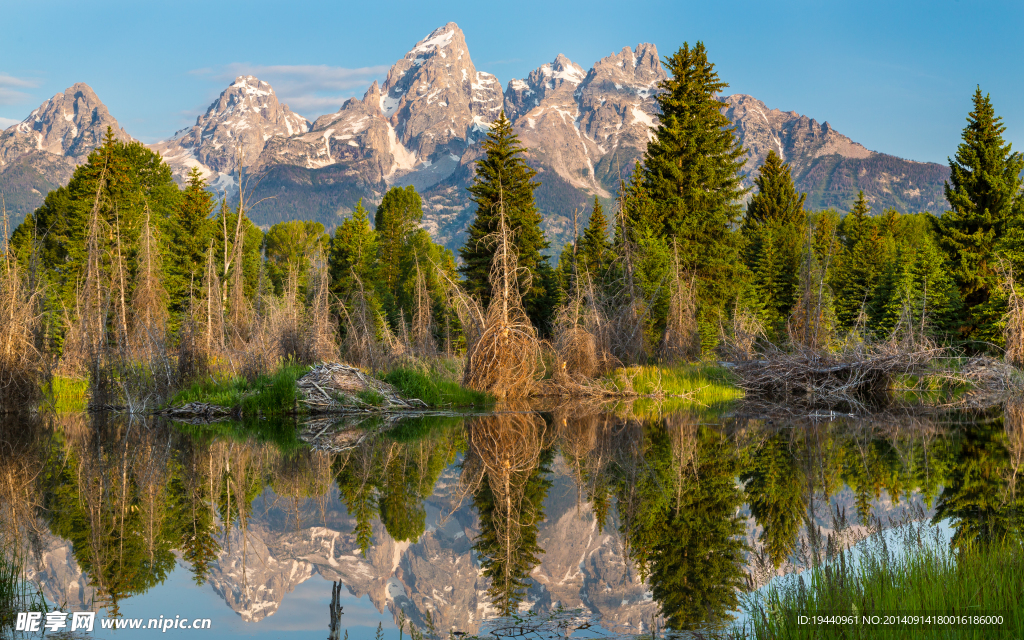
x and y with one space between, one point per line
924 577
66 395
435 387
271 394
704 384
16 593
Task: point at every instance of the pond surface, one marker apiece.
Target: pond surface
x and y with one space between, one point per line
627 518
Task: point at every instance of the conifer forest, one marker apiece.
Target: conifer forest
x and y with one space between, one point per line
731 387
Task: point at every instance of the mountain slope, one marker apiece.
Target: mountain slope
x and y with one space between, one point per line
41 152
236 126
830 167
584 131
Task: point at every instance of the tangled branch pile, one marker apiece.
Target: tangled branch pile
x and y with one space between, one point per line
332 386
826 376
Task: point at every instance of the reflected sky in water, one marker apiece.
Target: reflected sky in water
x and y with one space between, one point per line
629 518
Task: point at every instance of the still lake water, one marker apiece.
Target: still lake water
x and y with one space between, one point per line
630 515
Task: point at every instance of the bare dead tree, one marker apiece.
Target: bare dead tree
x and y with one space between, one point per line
681 341
506 360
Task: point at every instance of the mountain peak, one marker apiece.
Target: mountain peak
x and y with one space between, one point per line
563 69
439 39
235 127
70 124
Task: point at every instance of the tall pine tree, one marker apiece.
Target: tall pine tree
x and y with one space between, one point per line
692 171
773 233
502 176
860 263
595 248
190 234
353 254
984 194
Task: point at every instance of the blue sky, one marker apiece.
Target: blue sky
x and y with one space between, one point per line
894 76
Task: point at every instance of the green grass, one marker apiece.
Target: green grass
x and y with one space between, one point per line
437 387
16 593
370 397
273 394
924 577
66 395
702 383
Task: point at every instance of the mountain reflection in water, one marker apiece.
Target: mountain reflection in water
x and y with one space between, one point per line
634 520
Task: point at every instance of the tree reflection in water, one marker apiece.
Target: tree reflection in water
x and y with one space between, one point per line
670 491
513 452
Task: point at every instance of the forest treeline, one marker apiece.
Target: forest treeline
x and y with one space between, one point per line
122 261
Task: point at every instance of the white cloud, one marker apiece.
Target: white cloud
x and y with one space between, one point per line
9 89
310 90
7 122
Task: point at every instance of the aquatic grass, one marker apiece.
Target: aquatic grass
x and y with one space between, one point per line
370 397
436 387
66 395
16 592
267 394
918 577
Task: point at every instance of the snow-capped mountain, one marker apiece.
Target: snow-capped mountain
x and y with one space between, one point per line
831 167
41 152
234 128
414 129
584 131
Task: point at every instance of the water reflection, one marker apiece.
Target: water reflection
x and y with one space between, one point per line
466 519
509 462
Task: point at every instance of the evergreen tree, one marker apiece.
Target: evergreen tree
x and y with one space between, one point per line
773 232
976 500
860 263
353 254
396 220
644 270
692 171
289 247
502 176
679 520
915 285
984 193
190 229
119 180
595 247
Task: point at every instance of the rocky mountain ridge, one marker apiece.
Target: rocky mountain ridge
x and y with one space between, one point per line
235 128
40 153
584 129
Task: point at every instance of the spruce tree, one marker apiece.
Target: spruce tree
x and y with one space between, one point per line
692 171
190 235
502 176
860 263
353 254
775 492
773 233
397 217
289 247
984 194
595 248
